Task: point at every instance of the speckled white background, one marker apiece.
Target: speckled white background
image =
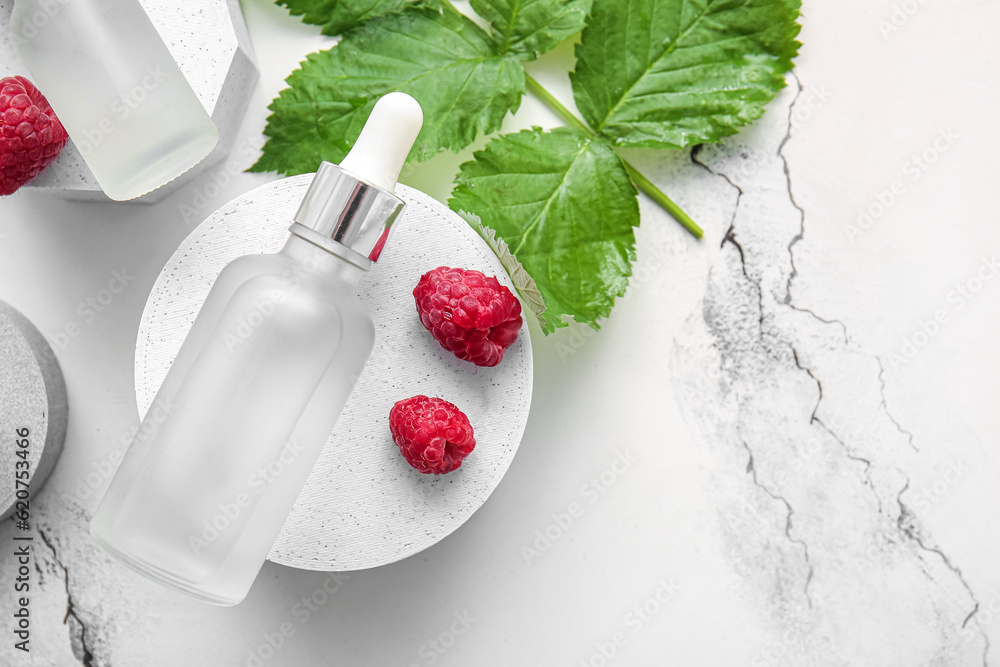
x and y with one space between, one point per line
683 385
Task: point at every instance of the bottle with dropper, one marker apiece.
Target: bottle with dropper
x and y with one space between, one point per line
259 382
117 90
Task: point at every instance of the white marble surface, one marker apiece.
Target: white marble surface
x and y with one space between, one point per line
778 487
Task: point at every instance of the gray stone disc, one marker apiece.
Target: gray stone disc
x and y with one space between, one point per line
33 396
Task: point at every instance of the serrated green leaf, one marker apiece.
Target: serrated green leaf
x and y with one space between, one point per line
564 204
525 285
672 73
338 16
529 28
444 60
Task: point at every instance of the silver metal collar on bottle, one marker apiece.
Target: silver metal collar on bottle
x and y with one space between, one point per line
356 215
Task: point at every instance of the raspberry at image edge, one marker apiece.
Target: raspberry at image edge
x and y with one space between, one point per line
31 137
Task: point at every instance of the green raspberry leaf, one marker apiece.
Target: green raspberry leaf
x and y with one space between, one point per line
339 16
448 63
529 28
564 205
672 73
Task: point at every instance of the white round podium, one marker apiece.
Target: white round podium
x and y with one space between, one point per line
363 505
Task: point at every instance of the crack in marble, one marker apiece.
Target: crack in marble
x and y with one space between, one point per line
907 524
87 658
854 457
809 372
730 235
905 512
814 419
752 470
802 309
885 407
802 217
788 297
906 520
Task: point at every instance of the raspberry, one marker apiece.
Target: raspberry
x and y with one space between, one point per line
473 316
31 136
432 434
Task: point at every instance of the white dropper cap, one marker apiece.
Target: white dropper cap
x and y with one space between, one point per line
354 204
385 141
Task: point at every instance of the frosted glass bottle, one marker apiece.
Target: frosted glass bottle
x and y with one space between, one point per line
117 90
258 383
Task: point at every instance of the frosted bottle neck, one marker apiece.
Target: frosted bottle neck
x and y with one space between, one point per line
313 260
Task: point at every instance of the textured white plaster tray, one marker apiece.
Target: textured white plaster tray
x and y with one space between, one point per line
363 505
211 44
